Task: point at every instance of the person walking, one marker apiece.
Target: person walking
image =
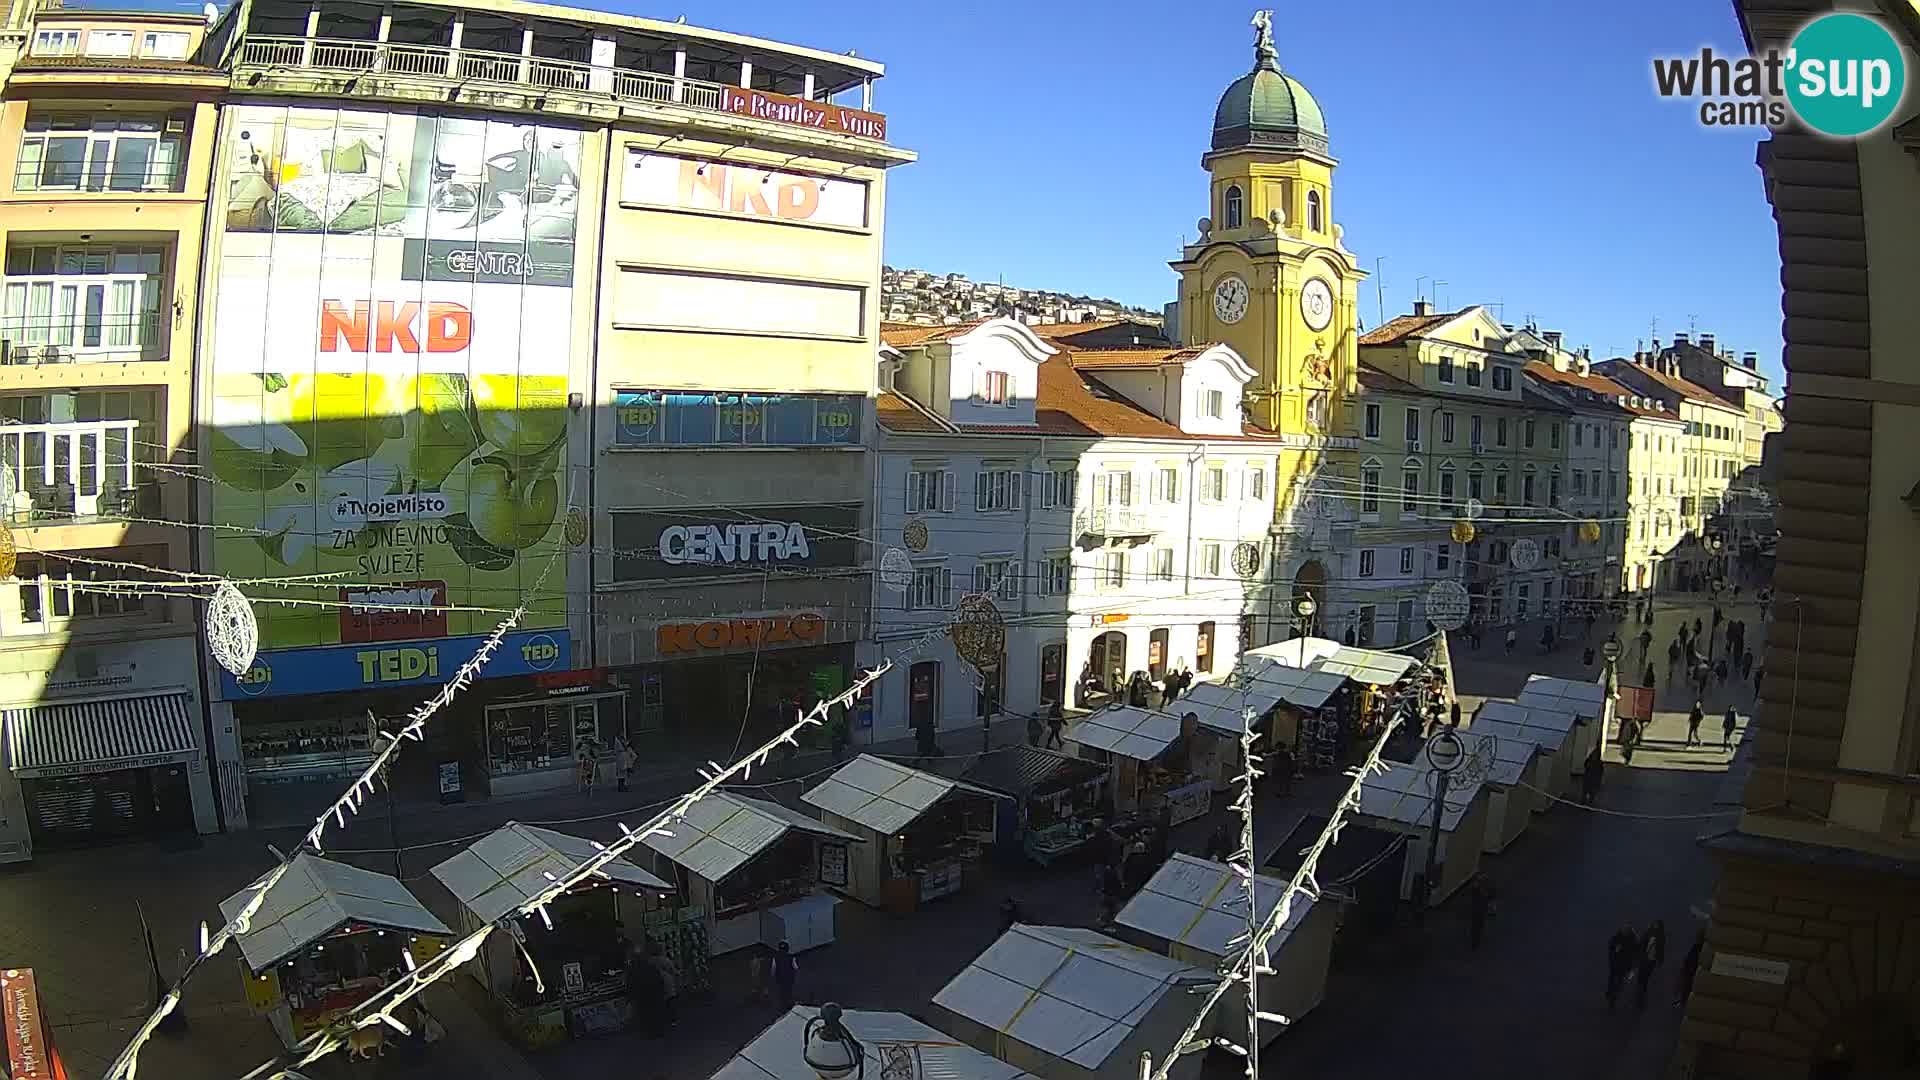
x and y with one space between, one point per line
1592 777
1689 964
1759 673
1694 720
1720 671
622 762
1647 676
1283 769
786 971
1652 953
1478 901
1056 724
1513 638
1629 739
589 768
1646 643
669 983
1726 728
1698 626
1036 729
1746 663
1620 961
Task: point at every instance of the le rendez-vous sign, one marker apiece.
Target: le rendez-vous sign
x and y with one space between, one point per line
782 109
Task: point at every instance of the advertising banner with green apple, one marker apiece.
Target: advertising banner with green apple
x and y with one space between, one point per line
390 369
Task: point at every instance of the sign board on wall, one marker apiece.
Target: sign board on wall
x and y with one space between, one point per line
655 179
716 541
377 665
723 418
389 376
803 113
721 635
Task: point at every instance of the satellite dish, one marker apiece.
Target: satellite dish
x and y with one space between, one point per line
896 570
211 12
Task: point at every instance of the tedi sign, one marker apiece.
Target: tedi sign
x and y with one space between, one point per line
752 542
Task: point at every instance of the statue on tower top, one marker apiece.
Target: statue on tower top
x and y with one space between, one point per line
1264 54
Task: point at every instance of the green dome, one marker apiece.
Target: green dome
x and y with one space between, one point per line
1267 108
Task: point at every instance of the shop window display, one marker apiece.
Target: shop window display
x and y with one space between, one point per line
307 748
522 738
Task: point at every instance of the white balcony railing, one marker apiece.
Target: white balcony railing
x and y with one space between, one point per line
1114 521
72 471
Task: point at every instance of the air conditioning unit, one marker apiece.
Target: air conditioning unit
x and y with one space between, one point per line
1413 446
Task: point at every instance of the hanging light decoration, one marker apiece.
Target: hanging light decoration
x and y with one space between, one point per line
232 634
1463 532
979 633
576 527
1590 531
915 535
9 554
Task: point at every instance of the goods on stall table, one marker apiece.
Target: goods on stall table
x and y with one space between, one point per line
684 941
1319 739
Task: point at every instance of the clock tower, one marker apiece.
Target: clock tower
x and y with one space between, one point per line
1269 274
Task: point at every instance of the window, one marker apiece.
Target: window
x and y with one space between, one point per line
1057 487
1553 490
1475 435
1500 431
1216 484
1526 489
1500 486
1116 575
1476 483
1502 377
1527 433
1520 601
1446 427
997 575
1613 482
1163 564
1113 488
1579 481
1413 427
1406 560
996 388
1317 410
1210 560
1256 483
1213 404
1364 623
1370 489
1366 562
49 596
84 299
1233 207
1373 421
1203 649
1578 431
932 587
164 46
929 489
1443 557
1473 373
1314 211
56 43
1446 369
1166 484
1446 485
1409 490
109 43
997 489
1553 436
1553 552
1056 575
1615 440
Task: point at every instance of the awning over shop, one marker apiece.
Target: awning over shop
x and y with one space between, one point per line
510 865
1218 705
1201 904
1028 771
318 896
883 795
1404 794
64 738
1072 993
776 1054
723 832
1129 731
1566 695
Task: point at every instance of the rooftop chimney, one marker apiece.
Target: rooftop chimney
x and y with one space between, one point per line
1706 342
1422 307
1553 338
1751 359
1679 339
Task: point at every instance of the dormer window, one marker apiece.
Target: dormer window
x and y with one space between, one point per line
1213 404
1233 207
996 388
1313 211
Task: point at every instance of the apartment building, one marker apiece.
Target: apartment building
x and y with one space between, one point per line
108 132
528 305
1809 967
1111 502
1599 481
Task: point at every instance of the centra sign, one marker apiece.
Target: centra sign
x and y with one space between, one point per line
754 542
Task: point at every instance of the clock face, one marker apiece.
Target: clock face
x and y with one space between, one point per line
1316 303
1230 298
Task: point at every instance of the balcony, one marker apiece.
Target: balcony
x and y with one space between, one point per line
92 339
120 178
55 474
1114 523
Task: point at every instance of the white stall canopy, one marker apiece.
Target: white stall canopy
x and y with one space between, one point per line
723 832
1129 732
1201 904
1218 705
317 897
1320 654
1073 994
1562 695
883 795
1553 726
1404 794
511 865
1504 758
895 1044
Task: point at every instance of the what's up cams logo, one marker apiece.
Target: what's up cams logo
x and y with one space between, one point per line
1842 75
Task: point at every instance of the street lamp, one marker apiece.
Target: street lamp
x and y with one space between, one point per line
1305 609
829 1049
1610 649
1446 753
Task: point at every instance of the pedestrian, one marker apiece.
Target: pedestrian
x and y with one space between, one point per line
1589 624
669 983
1036 729
1478 902
1513 637
1283 765
1592 776
1651 954
786 971
1586 657
1689 964
1056 723
1698 627
1629 739
589 767
1673 656
837 734
647 994
622 754
1219 843
1726 728
1759 673
1620 961
1717 616
1720 671
1694 720
1646 642
1746 663
1647 676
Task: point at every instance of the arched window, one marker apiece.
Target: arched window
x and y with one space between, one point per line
1313 211
1234 207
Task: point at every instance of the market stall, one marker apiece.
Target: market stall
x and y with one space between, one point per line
753 869
1401 799
1551 729
327 937
1511 769
1147 750
1071 1004
579 948
1585 700
893 1044
1057 799
1193 908
1218 707
921 830
1308 718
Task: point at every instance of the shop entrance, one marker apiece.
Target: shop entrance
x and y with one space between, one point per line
923 695
1109 658
126 804
1053 669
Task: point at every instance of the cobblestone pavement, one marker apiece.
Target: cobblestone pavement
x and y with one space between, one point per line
1528 1003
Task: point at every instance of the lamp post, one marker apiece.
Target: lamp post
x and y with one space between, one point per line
1305 609
829 1049
1610 650
1446 754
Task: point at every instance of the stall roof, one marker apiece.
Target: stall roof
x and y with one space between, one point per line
1360 665
1218 705
1023 771
1130 731
1199 903
883 795
510 865
318 896
1404 793
1072 993
1507 757
1555 721
776 1054
1547 740
723 832
1568 695
1306 688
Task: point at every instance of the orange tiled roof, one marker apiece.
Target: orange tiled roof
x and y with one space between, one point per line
908 335
1095 359
1683 387
1075 329
1397 329
896 413
1374 379
1610 391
